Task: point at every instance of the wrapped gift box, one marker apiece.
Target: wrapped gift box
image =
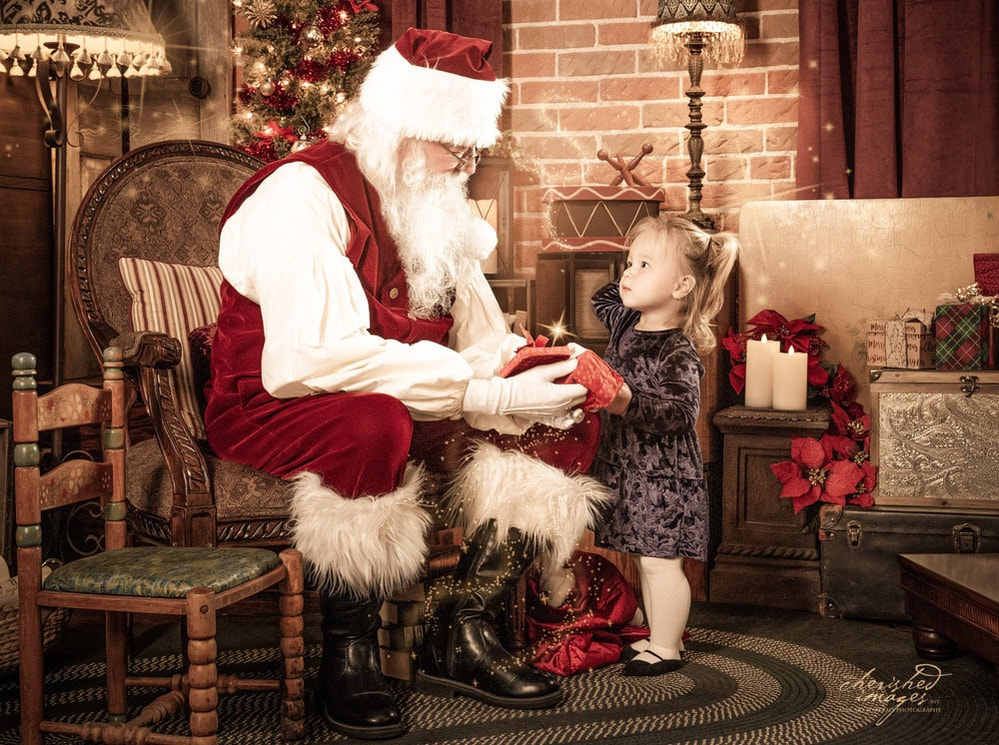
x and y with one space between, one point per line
876 344
962 336
906 342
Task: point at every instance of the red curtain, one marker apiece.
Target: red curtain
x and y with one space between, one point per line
898 98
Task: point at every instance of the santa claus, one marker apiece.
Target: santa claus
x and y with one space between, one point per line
357 337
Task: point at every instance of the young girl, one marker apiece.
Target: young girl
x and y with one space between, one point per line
659 316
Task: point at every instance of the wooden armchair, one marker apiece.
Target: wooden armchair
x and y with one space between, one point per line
143 265
142 259
191 583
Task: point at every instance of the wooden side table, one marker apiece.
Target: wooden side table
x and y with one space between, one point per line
763 557
953 600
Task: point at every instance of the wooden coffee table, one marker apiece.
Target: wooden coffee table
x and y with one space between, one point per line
953 600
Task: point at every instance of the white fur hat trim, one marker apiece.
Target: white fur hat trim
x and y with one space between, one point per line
432 105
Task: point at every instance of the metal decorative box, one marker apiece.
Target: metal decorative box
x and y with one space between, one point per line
935 438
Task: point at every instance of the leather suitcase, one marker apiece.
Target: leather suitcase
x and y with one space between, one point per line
859 549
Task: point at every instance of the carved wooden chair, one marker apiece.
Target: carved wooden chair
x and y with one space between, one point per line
192 583
143 264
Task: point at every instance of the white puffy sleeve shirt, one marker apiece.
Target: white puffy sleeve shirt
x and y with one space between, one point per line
285 249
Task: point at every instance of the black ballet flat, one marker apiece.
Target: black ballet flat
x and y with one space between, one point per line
641 669
628 653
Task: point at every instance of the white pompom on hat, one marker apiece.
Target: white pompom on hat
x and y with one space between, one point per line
436 86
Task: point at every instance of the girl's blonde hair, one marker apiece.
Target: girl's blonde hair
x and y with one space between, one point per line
708 257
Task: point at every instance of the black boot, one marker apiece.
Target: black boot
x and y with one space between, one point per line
352 692
462 653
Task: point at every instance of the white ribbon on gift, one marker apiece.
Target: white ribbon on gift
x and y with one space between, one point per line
970 295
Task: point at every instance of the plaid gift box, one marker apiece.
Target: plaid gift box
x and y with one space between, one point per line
962 335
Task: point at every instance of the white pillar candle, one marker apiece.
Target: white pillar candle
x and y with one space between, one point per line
790 392
760 372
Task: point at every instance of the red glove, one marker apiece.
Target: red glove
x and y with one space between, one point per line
599 378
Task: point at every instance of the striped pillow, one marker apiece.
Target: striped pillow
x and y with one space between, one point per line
174 299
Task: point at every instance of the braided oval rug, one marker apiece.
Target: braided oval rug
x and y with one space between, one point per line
852 682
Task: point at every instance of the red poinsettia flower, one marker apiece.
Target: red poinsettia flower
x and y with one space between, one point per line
801 333
734 342
818 374
863 497
803 477
841 386
849 420
864 500
814 474
843 448
870 476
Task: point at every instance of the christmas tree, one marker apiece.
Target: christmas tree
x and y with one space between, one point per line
301 61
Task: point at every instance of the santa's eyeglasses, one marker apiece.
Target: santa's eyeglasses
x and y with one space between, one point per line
470 155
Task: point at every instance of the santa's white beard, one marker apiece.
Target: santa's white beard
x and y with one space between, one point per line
432 225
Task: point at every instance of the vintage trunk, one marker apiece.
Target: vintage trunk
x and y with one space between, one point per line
860 548
935 441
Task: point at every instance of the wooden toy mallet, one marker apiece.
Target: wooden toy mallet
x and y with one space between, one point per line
624 169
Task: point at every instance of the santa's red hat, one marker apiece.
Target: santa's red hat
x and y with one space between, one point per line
436 86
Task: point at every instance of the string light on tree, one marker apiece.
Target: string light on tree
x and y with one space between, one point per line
293 54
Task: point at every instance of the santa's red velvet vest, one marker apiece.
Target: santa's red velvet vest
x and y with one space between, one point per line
239 340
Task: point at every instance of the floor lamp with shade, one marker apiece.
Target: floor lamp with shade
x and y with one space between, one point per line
56 41
690 31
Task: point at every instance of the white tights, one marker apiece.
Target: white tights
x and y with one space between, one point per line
666 597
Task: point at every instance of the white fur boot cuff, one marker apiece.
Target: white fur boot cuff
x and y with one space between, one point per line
550 507
368 546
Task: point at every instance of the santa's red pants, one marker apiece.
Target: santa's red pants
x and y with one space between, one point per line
360 443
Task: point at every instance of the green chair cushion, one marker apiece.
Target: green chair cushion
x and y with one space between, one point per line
161 572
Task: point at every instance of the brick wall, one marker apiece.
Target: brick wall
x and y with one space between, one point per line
584 78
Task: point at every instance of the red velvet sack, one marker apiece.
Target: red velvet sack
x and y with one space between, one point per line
591 627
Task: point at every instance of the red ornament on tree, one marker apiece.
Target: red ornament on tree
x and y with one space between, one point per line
342 59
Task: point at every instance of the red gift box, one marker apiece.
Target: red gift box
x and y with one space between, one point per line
591 371
534 353
987 273
599 378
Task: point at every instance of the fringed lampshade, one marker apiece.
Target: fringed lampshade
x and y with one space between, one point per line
716 22
86 38
62 40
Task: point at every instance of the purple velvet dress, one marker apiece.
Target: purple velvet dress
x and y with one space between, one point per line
650 456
